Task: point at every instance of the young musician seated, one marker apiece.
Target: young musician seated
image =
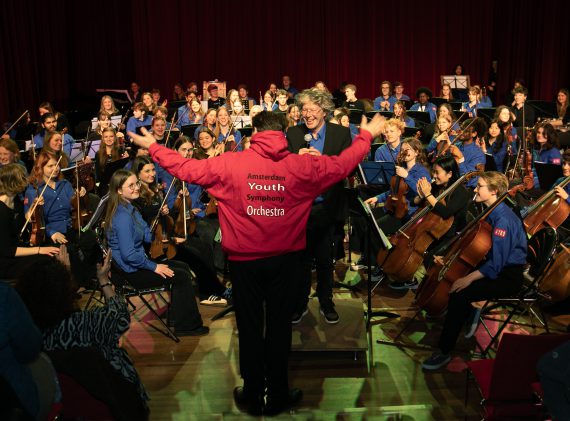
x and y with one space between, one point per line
388 152
424 95
469 147
445 173
126 232
13 256
400 114
382 103
282 106
226 132
499 275
495 144
546 147
399 95
352 103
140 117
471 106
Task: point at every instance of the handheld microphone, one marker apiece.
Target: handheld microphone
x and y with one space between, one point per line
308 139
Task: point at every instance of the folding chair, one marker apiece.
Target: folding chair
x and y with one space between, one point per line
506 382
123 287
541 250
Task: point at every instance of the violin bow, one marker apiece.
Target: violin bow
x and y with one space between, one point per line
15 123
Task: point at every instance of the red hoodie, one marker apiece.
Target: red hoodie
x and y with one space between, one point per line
264 193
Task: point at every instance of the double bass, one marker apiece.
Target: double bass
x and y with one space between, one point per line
462 255
412 240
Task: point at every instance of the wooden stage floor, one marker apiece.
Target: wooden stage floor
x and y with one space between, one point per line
194 379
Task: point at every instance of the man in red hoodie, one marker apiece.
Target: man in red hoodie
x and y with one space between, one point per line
264 198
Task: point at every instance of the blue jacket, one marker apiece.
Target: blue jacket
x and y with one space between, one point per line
126 237
379 100
57 205
383 153
430 108
392 100
509 242
473 156
471 109
414 174
68 142
237 137
133 123
499 156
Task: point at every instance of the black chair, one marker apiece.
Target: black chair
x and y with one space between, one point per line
541 250
123 287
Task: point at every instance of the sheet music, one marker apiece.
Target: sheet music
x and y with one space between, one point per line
383 238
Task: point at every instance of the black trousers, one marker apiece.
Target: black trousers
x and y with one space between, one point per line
206 278
320 249
184 314
508 283
263 293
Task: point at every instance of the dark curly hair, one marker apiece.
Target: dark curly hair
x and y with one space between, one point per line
50 299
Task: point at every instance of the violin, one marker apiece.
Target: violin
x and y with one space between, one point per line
185 223
161 226
522 170
36 214
80 210
412 240
548 211
397 204
462 255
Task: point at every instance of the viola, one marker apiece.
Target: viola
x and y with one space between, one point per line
412 240
462 255
161 227
397 204
38 226
521 175
80 209
548 211
185 223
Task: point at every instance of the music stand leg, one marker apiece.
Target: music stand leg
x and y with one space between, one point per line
222 313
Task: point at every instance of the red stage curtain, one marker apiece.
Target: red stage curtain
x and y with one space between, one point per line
62 49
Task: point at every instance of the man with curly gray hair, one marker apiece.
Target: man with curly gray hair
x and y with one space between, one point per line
318 137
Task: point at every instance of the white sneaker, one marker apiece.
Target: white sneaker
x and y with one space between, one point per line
214 300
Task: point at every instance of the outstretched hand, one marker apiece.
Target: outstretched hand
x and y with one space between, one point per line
375 126
142 141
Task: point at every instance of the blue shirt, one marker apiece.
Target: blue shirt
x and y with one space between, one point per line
195 192
67 142
429 108
387 153
473 156
133 123
485 102
414 174
319 144
379 100
57 205
392 100
126 237
237 138
470 109
184 117
499 156
509 242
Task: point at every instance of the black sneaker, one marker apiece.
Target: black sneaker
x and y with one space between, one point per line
252 404
436 361
298 316
413 284
330 314
277 404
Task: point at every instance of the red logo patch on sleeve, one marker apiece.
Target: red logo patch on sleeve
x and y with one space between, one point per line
500 232
556 161
25 201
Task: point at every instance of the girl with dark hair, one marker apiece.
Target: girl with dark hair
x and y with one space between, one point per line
494 144
126 232
13 257
65 327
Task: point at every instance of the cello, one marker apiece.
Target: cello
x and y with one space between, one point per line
548 211
412 240
462 255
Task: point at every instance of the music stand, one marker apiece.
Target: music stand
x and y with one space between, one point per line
487 113
189 130
459 85
490 164
411 131
386 114
376 172
437 101
547 174
363 209
246 131
355 115
109 169
138 129
456 105
543 109
420 116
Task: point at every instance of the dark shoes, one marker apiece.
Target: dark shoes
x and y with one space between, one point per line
277 404
199 331
252 404
298 315
330 314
